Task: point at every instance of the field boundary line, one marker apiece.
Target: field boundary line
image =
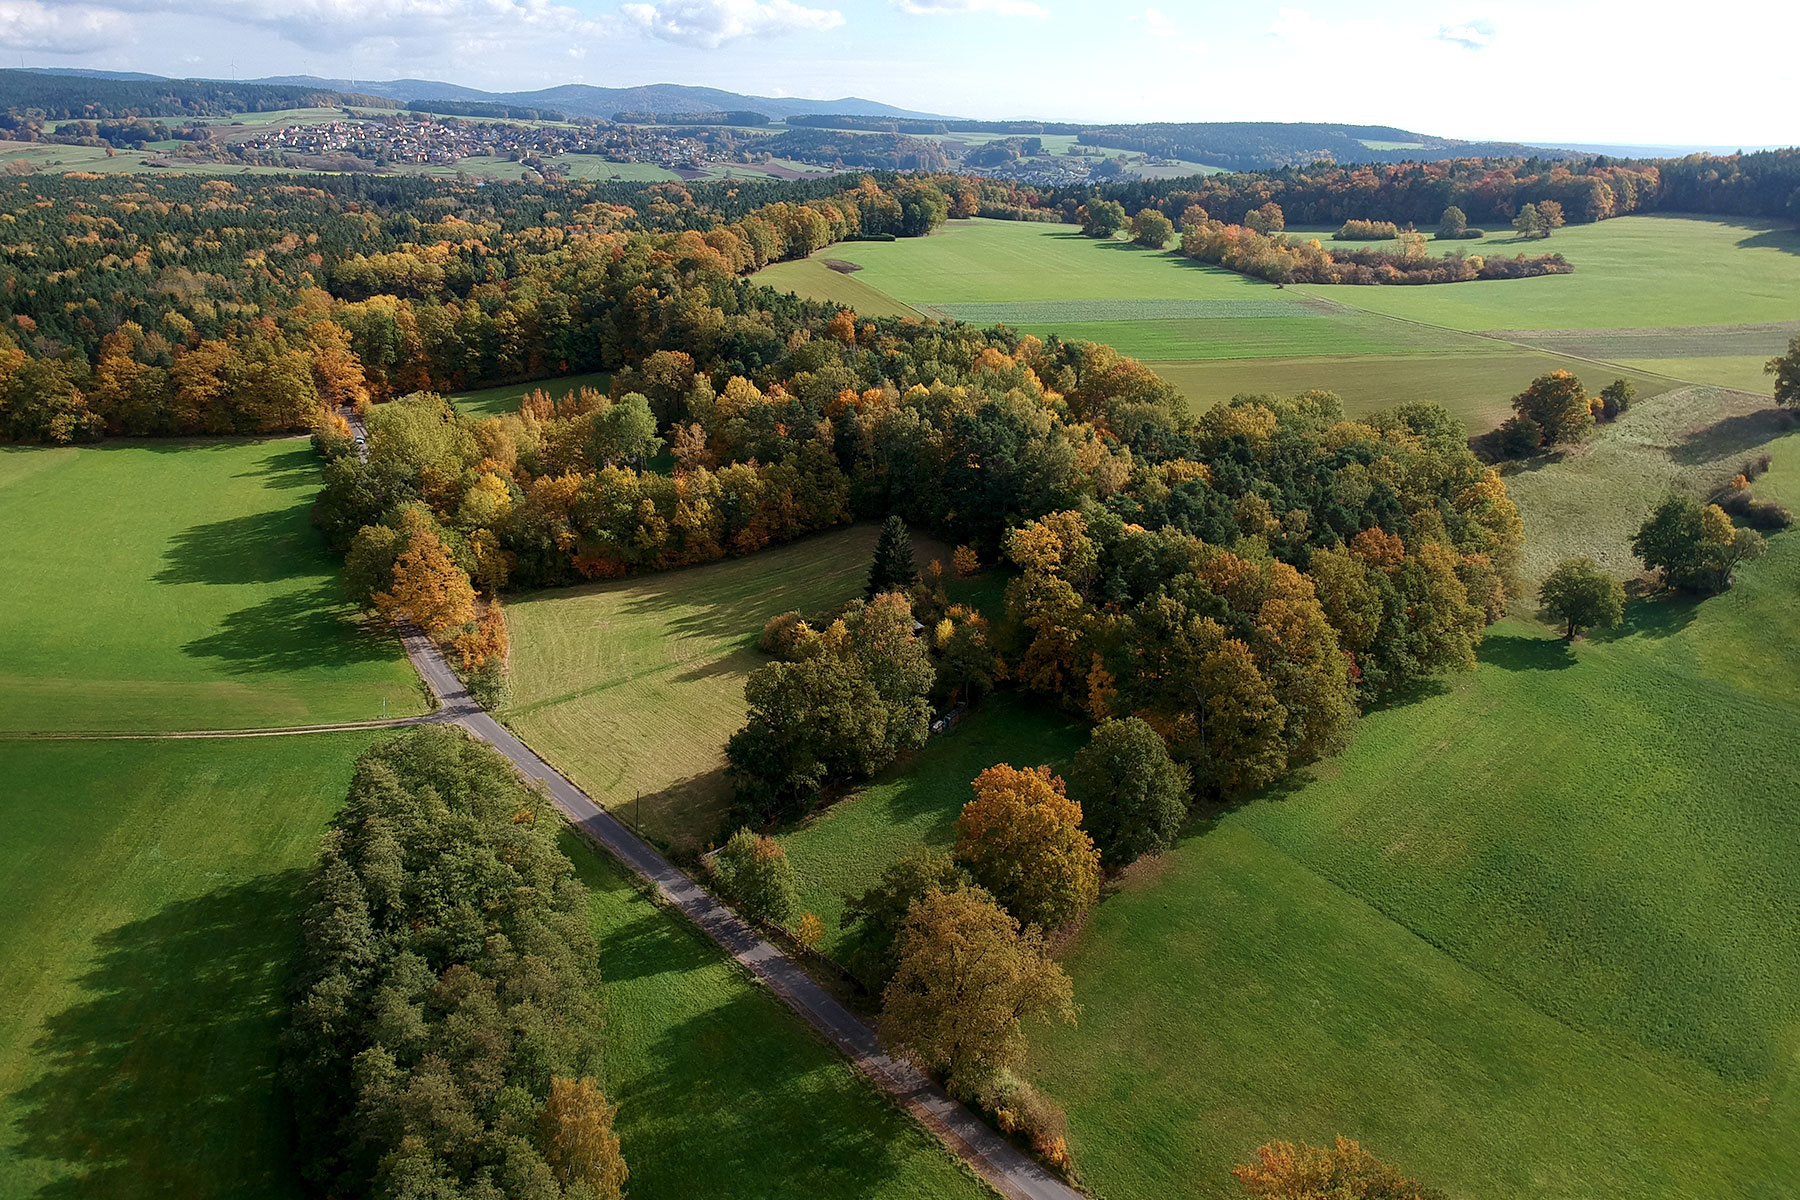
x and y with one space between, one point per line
430 718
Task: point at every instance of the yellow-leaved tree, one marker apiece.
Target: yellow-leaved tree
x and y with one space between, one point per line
429 590
578 1139
1021 839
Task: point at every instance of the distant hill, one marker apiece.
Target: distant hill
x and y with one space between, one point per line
575 99
65 95
1262 145
585 100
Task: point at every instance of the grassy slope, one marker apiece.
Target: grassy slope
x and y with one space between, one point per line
721 1092
150 896
1533 936
846 847
997 270
175 585
498 401
1594 500
1630 272
1477 385
604 674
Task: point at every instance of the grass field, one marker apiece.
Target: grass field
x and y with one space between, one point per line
180 585
721 1091
1478 386
150 893
634 686
498 401
1593 499
1630 273
1215 334
1532 935
845 848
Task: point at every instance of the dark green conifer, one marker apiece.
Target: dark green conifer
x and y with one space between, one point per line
893 569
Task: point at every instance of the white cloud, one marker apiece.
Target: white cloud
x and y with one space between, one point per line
1470 35
1156 18
62 29
709 24
1000 8
334 24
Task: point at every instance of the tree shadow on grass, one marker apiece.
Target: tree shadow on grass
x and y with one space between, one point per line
296 467
258 548
1738 434
1510 652
161 1080
1785 240
743 1101
1657 615
295 631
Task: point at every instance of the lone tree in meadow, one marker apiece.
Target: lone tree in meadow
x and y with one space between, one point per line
1579 595
1133 796
966 981
1151 229
1559 405
1786 370
1695 547
1345 1171
893 569
1454 224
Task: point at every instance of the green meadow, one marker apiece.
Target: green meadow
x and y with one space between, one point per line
180 585
632 687
1630 273
721 1091
152 898
1215 334
498 401
843 848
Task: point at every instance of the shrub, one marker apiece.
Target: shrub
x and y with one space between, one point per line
1284 1171
1019 1108
1366 231
1520 436
754 874
782 634
1616 398
490 685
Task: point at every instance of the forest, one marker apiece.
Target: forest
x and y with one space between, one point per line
64 97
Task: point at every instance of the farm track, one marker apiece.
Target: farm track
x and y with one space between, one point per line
1002 1166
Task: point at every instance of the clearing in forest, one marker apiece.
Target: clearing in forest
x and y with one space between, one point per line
632 687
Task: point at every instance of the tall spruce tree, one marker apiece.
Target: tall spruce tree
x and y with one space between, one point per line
893 569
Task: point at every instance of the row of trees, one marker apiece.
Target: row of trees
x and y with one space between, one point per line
442 1041
1280 259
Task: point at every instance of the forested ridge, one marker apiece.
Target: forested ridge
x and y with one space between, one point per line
65 97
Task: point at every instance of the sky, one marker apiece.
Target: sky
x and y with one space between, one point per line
1654 72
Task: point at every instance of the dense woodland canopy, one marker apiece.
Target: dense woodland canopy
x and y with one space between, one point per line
442 1041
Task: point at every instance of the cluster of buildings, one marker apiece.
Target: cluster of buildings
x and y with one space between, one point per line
419 139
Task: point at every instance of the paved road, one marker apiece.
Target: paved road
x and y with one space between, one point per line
1008 1171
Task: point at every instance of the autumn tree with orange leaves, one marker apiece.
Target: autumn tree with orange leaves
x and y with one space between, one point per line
1021 839
429 590
1343 1171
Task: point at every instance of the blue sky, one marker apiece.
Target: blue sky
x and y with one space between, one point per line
1576 70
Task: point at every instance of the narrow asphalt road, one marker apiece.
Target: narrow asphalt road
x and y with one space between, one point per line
1008 1171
